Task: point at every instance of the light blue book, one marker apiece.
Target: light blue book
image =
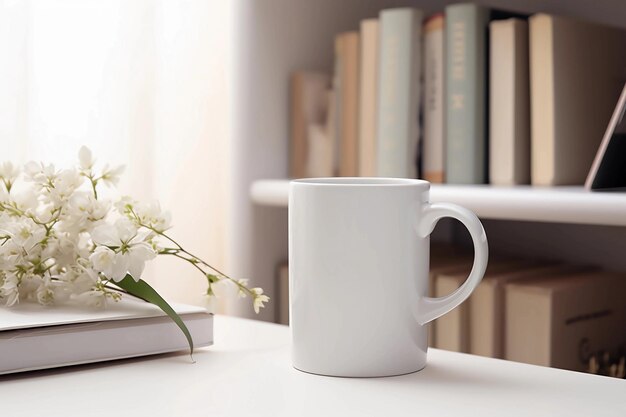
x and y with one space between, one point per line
466 91
398 106
466 110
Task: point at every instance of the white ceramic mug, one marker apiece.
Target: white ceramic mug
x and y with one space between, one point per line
358 274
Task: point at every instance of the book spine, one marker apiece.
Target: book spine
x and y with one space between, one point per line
335 108
542 100
369 97
399 64
433 146
528 326
309 107
509 103
297 167
452 328
282 284
482 321
349 75
466 93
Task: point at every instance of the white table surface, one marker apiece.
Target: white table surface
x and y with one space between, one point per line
248 372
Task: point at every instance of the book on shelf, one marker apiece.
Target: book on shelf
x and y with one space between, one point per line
453 329
445 258
347 54
487 312
509 102
309 106
433 163
37 337
282 299
398 96
466 90
319 160
577 70
368 100
332 131
562 321
440 333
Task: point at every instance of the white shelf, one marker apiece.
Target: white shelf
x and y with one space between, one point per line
541 204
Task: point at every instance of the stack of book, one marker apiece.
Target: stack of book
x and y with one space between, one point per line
505 98
542 313
33 336
538 312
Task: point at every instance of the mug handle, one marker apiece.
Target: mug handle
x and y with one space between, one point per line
428 308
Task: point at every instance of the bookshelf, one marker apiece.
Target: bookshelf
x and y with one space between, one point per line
275 37
572 205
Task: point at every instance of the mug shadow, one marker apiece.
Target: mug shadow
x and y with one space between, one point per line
451 376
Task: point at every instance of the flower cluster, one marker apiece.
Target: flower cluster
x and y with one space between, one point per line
60 242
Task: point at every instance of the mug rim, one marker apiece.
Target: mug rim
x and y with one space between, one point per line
360 182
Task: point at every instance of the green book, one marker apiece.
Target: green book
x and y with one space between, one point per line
466 91
398 105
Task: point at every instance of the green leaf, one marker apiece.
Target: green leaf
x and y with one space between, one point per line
143 290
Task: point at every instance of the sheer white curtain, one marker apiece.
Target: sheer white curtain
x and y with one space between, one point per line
142 83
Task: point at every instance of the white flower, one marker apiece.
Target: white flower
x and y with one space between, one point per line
151 215
40 174
124 204
59 242
8 173
85 158
25 237
44 212
25 200
128 243
79 279
259 299
244 283
64 249
111 176
83 212
92 298
9 292
64 184
50 292
103 260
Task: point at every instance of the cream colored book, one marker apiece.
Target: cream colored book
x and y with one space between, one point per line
36 337
487 307
332 128
368 99
445 259
509 103
309 106
577 70
453 328
562 321
320 152
347 45
433 108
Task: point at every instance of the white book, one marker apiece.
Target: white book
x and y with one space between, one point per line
36 337
433 146
398 92
509 103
